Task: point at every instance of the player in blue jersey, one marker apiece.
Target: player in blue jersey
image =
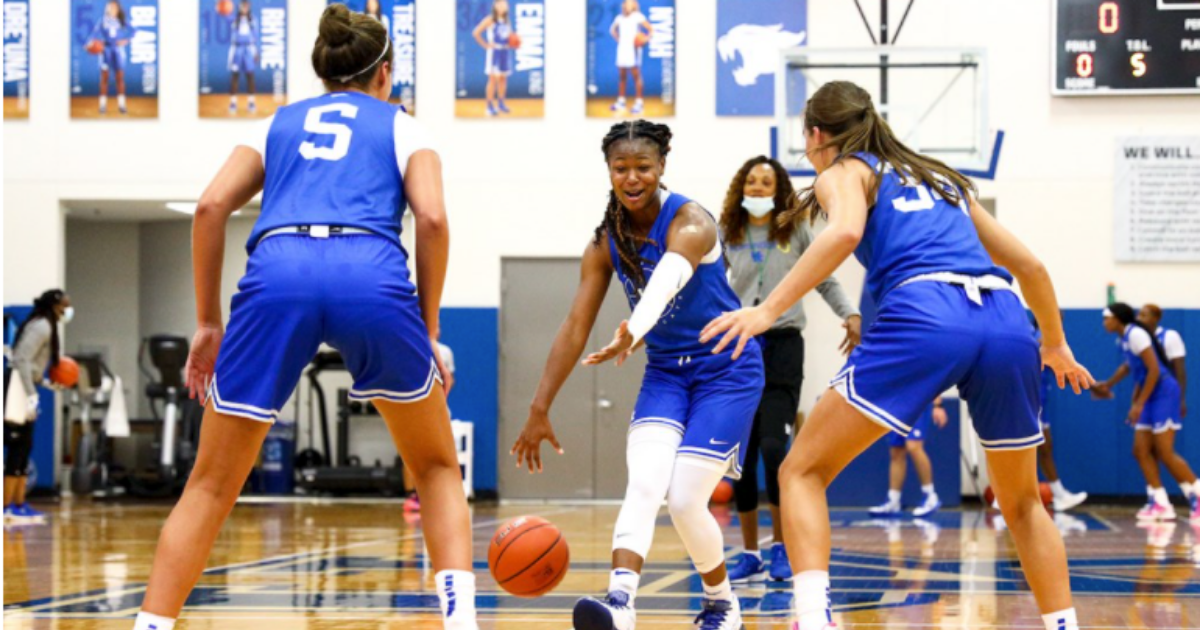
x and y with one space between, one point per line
243 55
695 410
1173 347
326 266
114 32
492 33
938 266
1155 411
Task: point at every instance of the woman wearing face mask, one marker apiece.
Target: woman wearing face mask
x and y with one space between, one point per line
35 348
760 250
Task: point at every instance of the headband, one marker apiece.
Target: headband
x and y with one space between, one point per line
348 77
1107 313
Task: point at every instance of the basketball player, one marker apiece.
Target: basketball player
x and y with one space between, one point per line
912 445
1063 499
243 56
1172 345
1154 412
695 409
938 267
499 62
114 32
326 266
625 29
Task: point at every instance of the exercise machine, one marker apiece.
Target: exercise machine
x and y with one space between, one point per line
92 468
180 416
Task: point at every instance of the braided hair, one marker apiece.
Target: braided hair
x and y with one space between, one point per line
616 218
1126 315
43 306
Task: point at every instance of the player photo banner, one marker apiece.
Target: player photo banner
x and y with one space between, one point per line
630 58
114 59
243 58
501 59
749 38
16 59
399 17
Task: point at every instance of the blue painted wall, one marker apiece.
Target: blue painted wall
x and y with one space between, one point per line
473 335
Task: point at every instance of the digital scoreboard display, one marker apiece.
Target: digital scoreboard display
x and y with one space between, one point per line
1126 47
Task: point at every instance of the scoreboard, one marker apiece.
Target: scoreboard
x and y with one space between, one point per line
1126 47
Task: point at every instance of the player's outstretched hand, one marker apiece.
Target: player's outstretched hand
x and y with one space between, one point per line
528 447
621 347
202 359
741 325
853 326
1066 369
1101 391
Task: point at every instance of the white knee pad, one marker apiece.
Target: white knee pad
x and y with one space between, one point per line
692 485
650 457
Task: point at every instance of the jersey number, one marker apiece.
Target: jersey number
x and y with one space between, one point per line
924 200
340 132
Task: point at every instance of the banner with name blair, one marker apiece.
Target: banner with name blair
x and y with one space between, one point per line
243 58
16 59
399 17
1156 204
749 38
114 59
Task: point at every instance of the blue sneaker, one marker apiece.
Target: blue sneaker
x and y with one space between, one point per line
719 614
932 504
502 107
611 613
27 512
10 514
491 109
747 569
781 569
638 107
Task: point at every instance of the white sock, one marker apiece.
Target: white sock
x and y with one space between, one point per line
811 590
927 488
1160 496
1057 488
1061 620
624 580
147 621
757 553
233 100
103 101
894 497
121 100
456 594
250 99
638 102
1189 490
620 100
721 592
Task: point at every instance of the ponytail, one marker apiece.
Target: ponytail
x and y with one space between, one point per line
1125 314
43 306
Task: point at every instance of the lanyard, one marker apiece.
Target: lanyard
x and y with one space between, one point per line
761 260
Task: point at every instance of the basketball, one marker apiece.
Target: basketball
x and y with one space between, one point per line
723 492
641 39
225 7
528 556
514 41
94 47
66 373
1047 494
989 497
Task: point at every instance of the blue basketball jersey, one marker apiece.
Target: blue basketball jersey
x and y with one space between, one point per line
498 33
331 160
1137 368
704 298
244 32
110 31
912 231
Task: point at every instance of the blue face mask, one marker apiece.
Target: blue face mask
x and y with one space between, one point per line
758 207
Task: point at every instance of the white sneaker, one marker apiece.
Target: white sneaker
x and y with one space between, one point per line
931 505
720 614
614 612
1155 511
1069 500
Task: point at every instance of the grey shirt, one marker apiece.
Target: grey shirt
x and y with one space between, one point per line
31 353
753 280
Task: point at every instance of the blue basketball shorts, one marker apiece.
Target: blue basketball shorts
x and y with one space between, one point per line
241 58
1049 382
1161 412
919 430
710 399
351 292
929 337
113 58
499 61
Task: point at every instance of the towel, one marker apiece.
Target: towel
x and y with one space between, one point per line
116 420
16 402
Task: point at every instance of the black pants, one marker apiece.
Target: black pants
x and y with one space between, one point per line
18 439
783 360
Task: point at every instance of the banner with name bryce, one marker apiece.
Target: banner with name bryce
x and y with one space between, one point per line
501 60
399 17
243 58
114 59
16 59
630 58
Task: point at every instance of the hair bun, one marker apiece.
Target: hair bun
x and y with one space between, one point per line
335 29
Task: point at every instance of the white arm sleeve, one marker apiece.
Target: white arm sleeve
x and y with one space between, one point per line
410 138
1139 340
1173 345
669 277
258 136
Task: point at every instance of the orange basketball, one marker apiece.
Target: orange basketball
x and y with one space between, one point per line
1047 494
94 47
514 41
225 7
723 492
641 39
989 497
528 556
66 373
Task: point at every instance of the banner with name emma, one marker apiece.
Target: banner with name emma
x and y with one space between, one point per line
399 17
16 59
501 60
243 58
630 58
114 59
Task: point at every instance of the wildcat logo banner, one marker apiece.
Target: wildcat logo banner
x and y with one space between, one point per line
750 34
